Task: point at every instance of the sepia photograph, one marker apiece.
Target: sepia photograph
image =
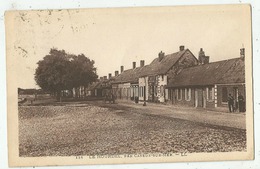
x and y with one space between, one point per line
129 85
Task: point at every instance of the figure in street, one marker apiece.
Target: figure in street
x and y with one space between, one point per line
231 103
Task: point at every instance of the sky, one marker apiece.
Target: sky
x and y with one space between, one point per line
119 36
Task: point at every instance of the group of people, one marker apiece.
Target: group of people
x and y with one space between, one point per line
240 105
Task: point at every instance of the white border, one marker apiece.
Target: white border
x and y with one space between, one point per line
58 4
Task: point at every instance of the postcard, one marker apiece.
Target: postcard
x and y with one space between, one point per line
129 85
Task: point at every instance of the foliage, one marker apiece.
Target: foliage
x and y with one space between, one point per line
83 71
62 71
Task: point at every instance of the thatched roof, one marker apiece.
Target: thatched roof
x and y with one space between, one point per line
221 72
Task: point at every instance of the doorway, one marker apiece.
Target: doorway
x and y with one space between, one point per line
200 100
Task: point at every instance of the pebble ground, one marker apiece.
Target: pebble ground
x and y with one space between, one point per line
93 129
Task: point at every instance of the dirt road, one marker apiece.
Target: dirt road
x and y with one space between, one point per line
93 128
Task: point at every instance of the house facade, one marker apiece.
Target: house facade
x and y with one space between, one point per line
208 85
125 86
148 82
154 79
180 79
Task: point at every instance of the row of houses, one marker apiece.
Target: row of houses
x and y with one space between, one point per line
179 78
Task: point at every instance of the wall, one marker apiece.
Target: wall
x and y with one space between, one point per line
199 93
143 83
210 101
134 91
230 89
121 91
182 101
186 60
162 82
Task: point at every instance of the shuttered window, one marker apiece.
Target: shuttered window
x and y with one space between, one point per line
210 93
187 94
179 94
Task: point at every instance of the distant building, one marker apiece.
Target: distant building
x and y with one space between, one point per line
92 89
125 85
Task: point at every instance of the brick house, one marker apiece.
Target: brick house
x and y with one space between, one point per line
207 85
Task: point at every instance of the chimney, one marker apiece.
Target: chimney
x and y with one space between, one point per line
181 48
242 53
122 69
134 65
141 63
206 60
201 52
161 55
105 77
116 73
202 58
109 76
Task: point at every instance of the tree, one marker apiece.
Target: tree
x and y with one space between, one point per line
61 71
83 71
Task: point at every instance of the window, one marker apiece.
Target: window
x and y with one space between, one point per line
224 94
166 94
179 94
188 94
210 93
132 92
136 91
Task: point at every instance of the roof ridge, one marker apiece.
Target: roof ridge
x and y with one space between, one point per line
224 71
211 63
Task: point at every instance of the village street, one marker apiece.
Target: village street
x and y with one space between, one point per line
220 117
95 128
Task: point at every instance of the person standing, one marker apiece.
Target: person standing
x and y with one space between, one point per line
231 103
241 103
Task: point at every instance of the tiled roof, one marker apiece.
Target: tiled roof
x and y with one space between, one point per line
163 66
130 75
221 72
156 67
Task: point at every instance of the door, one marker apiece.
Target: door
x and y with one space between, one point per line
235 95
200 100
204 97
